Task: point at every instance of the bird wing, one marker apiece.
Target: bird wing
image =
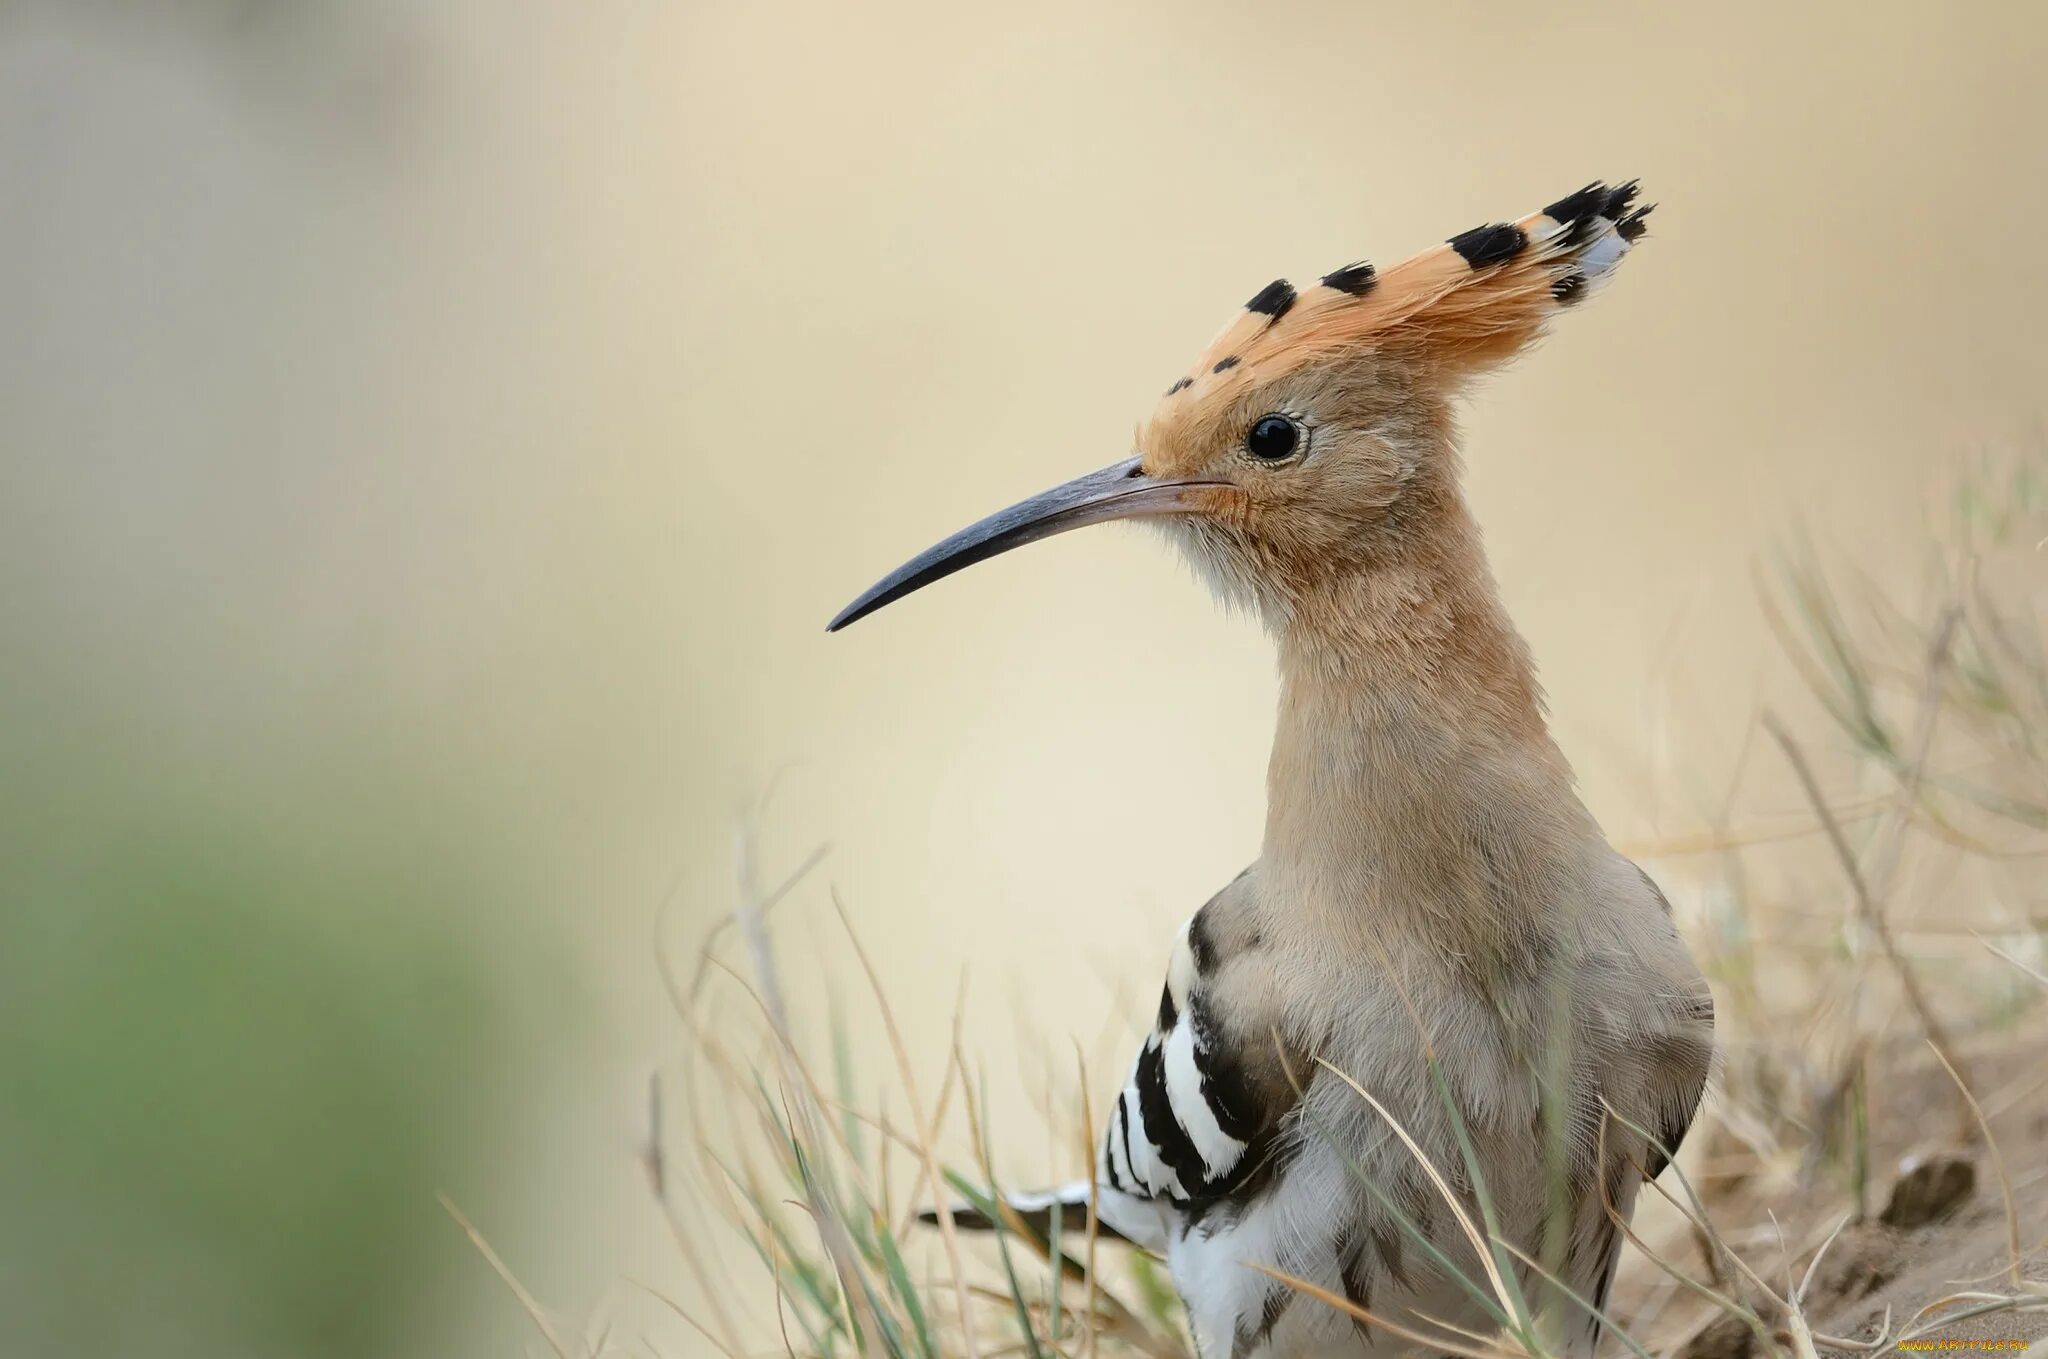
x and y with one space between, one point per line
1659 1076
1675 1057
1199 1122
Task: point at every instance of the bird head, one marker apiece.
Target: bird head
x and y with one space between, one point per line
1299 446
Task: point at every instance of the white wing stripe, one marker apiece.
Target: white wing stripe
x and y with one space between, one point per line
1121 1172
1184 1090
1148 1169
1180 968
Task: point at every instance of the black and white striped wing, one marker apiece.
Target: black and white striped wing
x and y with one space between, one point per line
1195 1123
1197 1126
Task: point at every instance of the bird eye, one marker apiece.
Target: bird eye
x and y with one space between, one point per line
1272 438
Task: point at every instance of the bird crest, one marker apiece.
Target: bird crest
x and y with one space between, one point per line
1446 313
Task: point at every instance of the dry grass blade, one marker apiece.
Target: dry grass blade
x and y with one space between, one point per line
948 1083
680 1311
683 999
1700 1224
1441 1344
1535 1267
1089 1286
781 1294
1806 1279
804 1121
511 1281
1696 1214
2012 1212
2037 975
1867 905
686 1244
925 1129
1443 1187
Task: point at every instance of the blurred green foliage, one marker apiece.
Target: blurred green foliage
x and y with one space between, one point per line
237 1064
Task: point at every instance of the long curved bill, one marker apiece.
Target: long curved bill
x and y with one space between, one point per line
1119 491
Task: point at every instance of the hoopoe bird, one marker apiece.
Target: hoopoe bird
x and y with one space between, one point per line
1439 999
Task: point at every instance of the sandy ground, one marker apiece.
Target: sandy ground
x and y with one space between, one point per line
1937 1225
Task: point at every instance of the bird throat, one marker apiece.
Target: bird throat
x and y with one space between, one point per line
1412 773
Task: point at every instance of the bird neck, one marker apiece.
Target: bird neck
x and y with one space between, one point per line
1412 771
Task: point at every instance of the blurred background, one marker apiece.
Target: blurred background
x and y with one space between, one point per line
434 437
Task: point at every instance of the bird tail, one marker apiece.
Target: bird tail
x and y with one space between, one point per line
1033 1213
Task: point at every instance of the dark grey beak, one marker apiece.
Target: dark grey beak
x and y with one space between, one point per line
1119 491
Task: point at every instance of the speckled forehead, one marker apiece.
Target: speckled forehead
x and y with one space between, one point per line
1269 336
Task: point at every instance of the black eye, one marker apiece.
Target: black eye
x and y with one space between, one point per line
1272 437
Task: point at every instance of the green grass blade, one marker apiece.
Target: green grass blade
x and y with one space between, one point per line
1155 1292
843 1081
987 1205
905 1291
1634 1346
1524 1326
